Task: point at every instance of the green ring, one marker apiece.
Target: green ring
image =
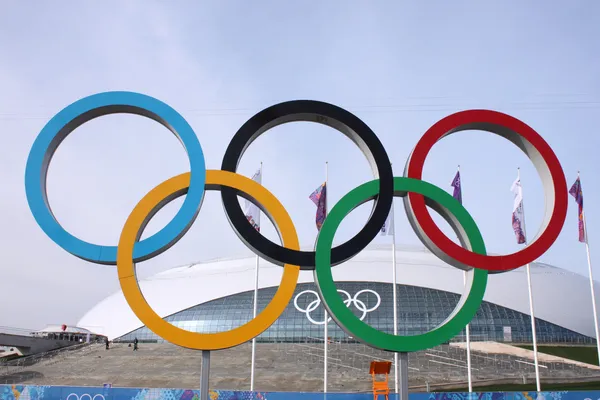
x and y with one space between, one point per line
352 325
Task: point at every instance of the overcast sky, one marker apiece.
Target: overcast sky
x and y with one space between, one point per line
399 66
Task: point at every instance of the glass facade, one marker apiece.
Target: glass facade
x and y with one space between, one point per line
419 310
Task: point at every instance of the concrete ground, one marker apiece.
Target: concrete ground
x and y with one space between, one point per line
279 367
164 365
502 348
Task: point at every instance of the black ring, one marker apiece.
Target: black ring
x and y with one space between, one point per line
339 119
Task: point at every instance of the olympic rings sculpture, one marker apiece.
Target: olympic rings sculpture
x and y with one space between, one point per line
470 256
359 304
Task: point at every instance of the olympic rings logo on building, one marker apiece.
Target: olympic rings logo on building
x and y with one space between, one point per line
359 304
418 195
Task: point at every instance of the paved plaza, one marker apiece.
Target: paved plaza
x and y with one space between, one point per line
284 367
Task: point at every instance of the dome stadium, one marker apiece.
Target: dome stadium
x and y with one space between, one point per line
218 295
294 354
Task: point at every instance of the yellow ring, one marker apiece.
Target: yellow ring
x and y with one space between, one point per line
133 229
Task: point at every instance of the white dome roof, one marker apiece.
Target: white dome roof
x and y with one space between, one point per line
560 297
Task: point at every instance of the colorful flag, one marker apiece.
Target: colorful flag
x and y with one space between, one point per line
319 197
252 211
577 193
388 225
457 194
517 216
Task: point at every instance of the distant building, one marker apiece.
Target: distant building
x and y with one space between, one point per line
70 333
217 296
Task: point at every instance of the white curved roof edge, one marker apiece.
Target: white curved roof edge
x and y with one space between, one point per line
249 253
58 329
185 286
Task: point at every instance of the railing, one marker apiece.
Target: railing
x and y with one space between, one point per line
16 331
350 360
20 364
446 363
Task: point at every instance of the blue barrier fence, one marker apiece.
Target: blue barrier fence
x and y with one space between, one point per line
27 392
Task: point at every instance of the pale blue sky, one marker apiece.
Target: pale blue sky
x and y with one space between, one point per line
399 66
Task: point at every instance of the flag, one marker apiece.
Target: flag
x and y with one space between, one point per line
457 194
252 211
577 193
319 197
388 225
518 216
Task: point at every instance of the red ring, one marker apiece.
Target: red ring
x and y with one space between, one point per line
503 125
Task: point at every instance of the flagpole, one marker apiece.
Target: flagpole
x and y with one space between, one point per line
468 333
255 303
589 260
325 332
533 333
468 327
394 293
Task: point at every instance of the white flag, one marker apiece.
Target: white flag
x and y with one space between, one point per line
517 189
252 211
388 225
518 216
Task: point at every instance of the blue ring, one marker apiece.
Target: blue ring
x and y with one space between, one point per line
73 116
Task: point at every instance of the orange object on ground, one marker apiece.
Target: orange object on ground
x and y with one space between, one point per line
380 387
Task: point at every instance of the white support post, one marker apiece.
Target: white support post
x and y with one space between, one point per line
589 260
253 366
592 290
325 332
531 310
468 333
468 327
395 295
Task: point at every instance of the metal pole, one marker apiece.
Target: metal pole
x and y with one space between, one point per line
254 316
468 327
255 303
469 375
325 332
589 260
535 352
404 376
205 375
394 292
533 333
